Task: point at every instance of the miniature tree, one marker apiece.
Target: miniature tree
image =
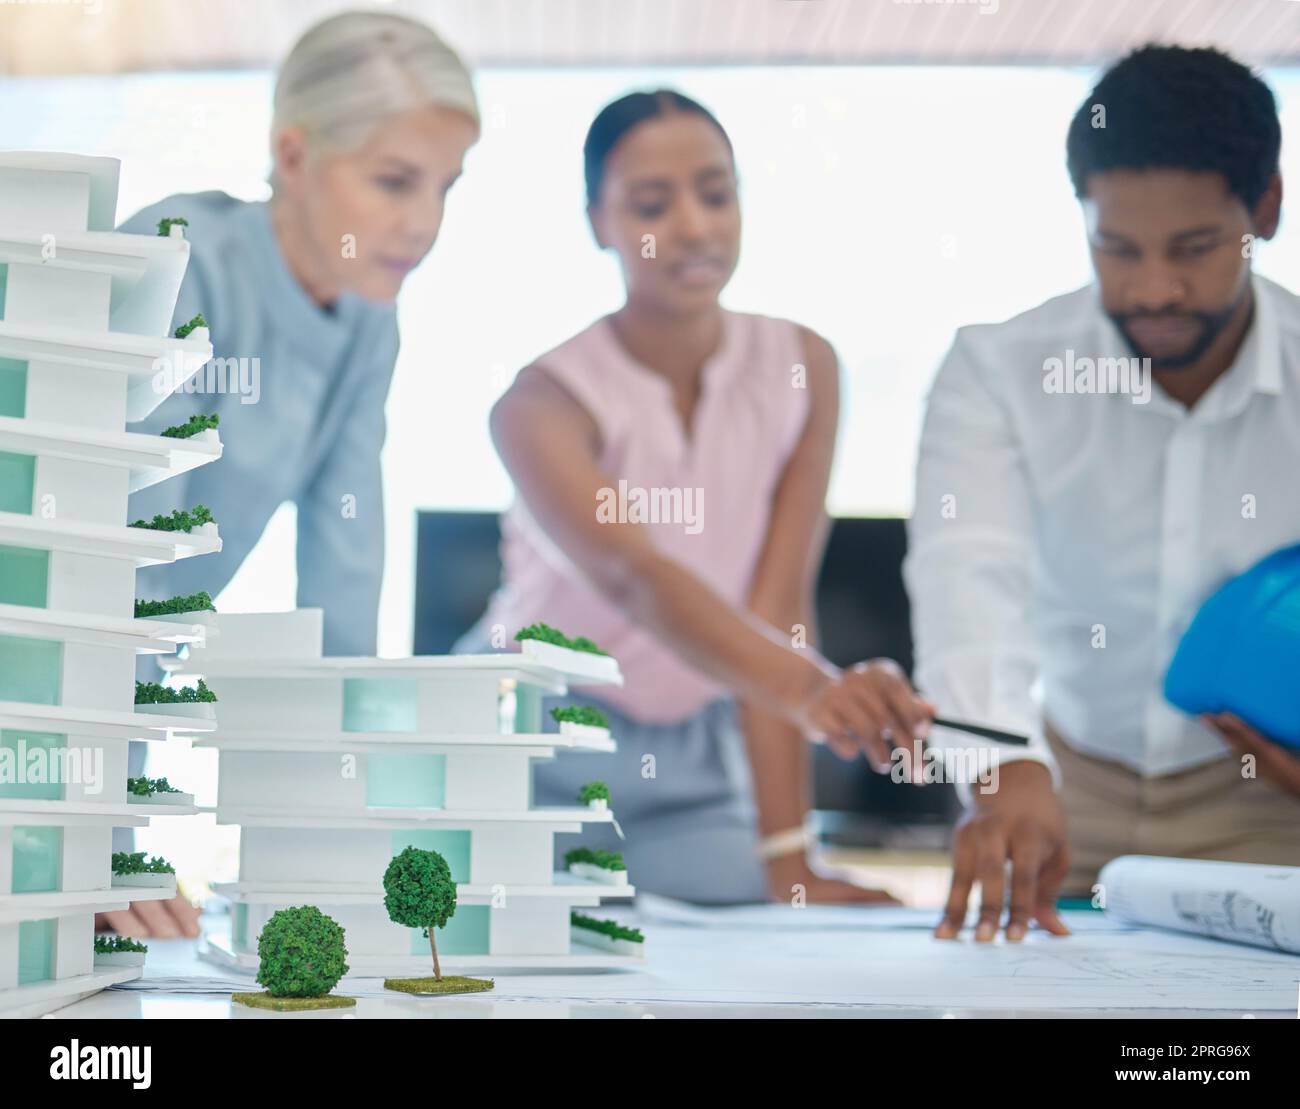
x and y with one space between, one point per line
152 693
544 633
595 856
165 225
419 893
593 791
106 944
195 602
196 423
179 520
147 787
580 714
134 862
301 953
184 330
609 928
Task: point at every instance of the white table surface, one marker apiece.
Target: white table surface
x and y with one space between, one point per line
817 962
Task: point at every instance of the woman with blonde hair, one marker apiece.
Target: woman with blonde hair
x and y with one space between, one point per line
373 117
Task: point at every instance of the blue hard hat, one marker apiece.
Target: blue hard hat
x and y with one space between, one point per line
1241 653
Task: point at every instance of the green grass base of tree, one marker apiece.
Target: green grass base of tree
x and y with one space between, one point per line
450 983
262 1000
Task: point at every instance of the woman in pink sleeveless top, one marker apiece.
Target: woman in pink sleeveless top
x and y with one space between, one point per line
671 464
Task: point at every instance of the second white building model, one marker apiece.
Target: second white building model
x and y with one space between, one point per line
331 766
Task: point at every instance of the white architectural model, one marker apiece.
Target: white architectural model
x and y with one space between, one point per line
83 315
331 766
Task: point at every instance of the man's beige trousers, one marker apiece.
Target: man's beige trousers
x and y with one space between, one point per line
1209 812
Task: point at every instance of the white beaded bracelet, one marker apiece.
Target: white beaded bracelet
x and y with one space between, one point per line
788 842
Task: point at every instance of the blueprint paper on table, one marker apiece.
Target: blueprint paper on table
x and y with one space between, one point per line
1240 902
653 909
1094 971
764 962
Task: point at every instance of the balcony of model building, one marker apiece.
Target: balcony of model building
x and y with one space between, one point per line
85 312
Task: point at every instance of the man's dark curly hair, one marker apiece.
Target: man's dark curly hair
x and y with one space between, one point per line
1170 107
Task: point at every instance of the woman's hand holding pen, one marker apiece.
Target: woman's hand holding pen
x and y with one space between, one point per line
868 708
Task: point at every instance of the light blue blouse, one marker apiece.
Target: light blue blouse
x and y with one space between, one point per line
302 419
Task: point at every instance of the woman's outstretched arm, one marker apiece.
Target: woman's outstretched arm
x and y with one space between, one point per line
549 444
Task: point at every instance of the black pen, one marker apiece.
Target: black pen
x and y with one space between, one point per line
980 730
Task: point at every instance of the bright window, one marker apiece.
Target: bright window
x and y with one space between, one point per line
883 207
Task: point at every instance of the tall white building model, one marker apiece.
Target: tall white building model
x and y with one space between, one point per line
84 318
331 766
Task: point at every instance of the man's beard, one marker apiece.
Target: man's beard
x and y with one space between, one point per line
1212 326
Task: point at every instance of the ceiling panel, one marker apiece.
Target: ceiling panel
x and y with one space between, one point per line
96 36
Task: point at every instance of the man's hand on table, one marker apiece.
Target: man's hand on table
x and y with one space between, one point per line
1274 761
789 871
162 920
1022 823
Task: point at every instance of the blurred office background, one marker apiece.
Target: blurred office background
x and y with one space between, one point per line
902 173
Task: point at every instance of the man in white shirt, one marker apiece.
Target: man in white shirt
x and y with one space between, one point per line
1076 504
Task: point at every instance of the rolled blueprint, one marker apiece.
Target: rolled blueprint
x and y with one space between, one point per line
1240 902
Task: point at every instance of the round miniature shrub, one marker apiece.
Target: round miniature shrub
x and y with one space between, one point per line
301 953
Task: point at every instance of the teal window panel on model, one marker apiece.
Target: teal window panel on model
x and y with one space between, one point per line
13 385
468 932
17 480
380 704
37 858
24 576
31 670
28 767
453 845
406 781
528 709
36 951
